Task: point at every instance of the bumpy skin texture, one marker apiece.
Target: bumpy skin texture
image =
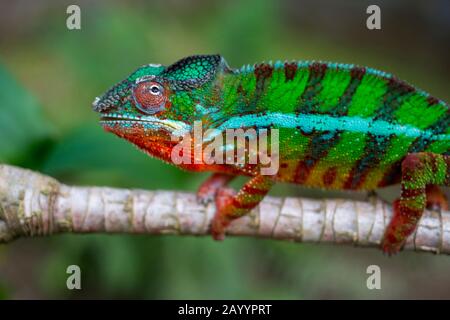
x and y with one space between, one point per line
340 127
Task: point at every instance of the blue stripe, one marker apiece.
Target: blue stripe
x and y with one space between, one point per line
311 122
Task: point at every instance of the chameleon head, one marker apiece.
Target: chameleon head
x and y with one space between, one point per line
155 102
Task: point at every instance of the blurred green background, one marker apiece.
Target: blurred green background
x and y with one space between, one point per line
49 76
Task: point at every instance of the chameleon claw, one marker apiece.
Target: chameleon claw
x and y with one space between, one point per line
204 199
210 187
224 198
391 245
217 230
436 199
390 249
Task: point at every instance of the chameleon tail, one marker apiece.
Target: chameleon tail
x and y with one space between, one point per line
421 174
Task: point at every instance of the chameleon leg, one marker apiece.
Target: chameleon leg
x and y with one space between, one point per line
231 205
211 186
419 171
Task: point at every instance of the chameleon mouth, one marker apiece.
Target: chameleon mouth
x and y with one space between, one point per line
120 119
147 122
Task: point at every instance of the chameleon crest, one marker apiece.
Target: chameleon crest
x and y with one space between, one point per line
340 126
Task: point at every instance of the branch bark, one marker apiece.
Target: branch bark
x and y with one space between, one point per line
32 204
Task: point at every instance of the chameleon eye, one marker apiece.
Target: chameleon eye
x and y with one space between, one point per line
149 97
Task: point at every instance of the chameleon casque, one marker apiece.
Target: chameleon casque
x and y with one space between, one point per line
341 126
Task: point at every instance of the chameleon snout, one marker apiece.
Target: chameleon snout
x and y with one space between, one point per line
95 104
103 104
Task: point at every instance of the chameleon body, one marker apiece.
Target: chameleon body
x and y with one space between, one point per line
341 126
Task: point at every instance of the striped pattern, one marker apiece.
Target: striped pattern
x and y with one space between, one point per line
321 142
308 100
339 104
348 157
373 154
247 198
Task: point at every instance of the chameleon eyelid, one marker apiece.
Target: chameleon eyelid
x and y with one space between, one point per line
144 79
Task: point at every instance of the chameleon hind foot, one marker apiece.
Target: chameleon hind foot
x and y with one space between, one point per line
400 226
421 173
231 205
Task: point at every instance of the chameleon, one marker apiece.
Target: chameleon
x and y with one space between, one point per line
341 126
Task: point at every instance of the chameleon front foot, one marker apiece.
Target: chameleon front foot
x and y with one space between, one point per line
231 205
210 187
222 219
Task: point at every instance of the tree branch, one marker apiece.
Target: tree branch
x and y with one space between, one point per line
32 204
